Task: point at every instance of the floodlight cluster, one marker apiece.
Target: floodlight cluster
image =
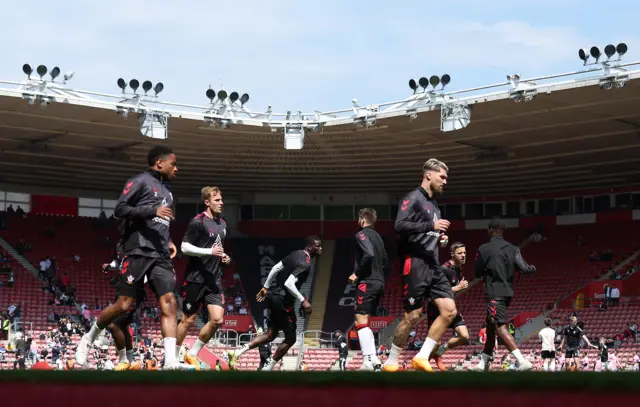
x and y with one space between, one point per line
41 71
222 95
609 51
433 80
134 84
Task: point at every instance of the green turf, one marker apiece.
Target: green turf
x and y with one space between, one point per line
524 381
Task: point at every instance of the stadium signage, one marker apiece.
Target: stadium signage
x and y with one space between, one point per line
239 323
266 253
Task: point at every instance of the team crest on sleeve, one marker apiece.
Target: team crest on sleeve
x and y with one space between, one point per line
362 236
405 205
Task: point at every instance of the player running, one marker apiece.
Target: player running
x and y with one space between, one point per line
547 337
368 276
495 264
144 208
420 227
573 333
204 244
119 327
453 271
289 275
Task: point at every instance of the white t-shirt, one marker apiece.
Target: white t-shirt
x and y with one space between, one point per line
547 336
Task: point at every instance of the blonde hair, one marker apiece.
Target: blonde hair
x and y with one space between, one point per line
206 192
433 164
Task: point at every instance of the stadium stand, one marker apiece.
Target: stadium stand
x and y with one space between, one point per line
563 267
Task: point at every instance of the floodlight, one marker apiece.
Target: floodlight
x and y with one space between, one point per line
609 51
134 85
211 94
146 86
434 80
621 49
446 78
582 54
42 70
595 52
233 97
26 68
293 138
222 95
158 88
122 84
413 85
55 72
424 82
244 98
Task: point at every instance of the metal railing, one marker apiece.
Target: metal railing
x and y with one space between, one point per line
320 339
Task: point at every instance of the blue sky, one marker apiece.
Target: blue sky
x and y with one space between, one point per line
303 55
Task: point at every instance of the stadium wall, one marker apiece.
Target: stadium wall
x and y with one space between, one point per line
346 229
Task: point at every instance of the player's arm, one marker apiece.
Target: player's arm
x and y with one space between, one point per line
368 253
188 246
127 206
586 340
522 264
110 266
272 274
404 222
290 285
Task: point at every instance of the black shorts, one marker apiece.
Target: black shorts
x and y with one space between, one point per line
497 312
367 297
433 313
196 294
423 281
548 354
572 353
281 317
159 270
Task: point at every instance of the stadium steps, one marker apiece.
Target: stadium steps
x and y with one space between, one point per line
289 364
24 262
321 289
620 266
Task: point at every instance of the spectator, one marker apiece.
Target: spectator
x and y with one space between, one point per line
615 295
20 211
607 294
19 363
11 279
43 268
64 281
5 325
10 210
236 278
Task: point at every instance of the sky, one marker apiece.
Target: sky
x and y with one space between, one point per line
303 55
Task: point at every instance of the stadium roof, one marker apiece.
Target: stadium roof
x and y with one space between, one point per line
572 134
